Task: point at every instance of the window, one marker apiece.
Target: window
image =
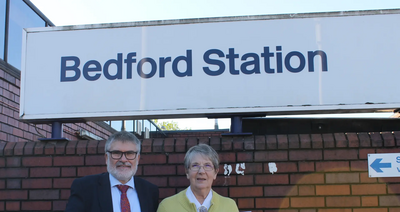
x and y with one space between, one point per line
21 16
2 26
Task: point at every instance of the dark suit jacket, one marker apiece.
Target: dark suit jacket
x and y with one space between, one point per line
93 194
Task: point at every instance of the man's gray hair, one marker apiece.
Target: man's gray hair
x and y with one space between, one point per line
206 151
123 136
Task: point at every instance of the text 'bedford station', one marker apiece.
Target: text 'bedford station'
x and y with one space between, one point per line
216 62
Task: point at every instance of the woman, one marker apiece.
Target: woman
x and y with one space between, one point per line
201 167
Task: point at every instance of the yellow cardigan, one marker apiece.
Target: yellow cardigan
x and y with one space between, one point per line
180 203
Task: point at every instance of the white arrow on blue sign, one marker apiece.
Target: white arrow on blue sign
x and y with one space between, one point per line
384 165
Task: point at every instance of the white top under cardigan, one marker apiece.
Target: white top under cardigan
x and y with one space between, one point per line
192 199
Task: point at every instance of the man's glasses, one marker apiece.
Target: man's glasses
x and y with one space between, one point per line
196 167
116 155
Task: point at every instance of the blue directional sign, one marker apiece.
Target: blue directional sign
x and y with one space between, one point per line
384 165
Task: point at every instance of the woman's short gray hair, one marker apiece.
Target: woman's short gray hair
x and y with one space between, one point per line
204 150
123 136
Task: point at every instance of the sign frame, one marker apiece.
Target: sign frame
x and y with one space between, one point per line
39 107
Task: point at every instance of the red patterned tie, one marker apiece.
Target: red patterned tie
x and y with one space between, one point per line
125 207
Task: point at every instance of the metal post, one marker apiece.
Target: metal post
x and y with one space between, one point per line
236 124
56 132
123 125
236 127
216 124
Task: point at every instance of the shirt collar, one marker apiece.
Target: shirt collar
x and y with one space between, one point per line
114 182
192 199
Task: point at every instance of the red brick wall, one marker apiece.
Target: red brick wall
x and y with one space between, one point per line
316 173
14 130
195 133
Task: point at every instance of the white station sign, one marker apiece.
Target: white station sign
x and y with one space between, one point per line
270 64
384 165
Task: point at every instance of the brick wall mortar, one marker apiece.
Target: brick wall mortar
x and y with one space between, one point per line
328 173
14 130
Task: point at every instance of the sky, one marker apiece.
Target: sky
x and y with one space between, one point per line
76 12
80 12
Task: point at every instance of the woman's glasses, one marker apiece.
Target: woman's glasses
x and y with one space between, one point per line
197 167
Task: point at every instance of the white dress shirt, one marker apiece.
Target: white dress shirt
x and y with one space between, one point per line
131 194
192 199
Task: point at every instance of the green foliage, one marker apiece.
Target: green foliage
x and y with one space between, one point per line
166 125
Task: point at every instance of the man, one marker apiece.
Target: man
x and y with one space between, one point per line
118 190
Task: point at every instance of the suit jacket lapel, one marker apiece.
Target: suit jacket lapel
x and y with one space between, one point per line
141 195
104 195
